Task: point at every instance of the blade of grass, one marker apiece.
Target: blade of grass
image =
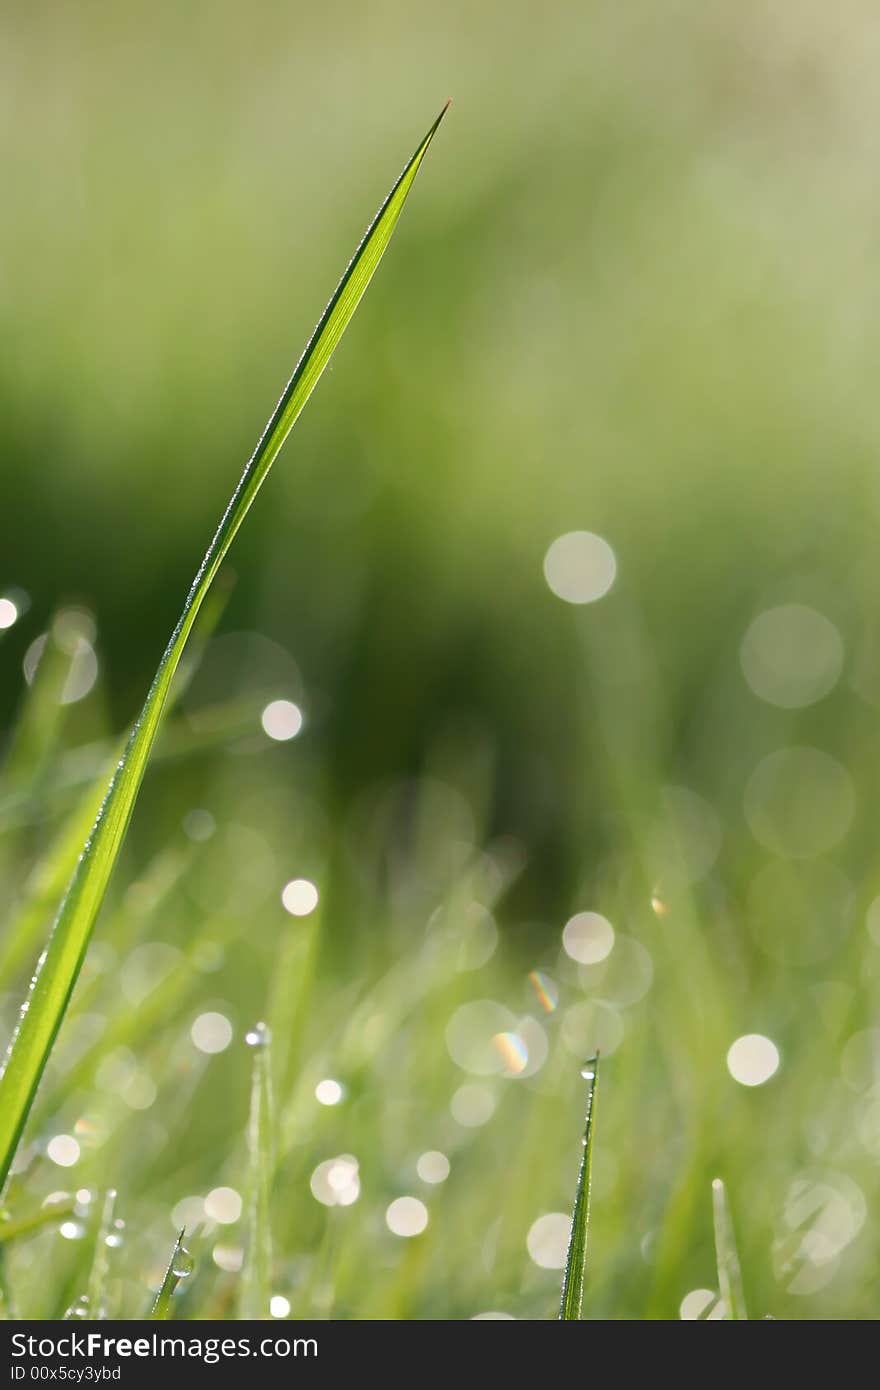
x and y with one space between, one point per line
180 1266
52 984
35 1220
256 1279
101 1257
576 1259
729 1274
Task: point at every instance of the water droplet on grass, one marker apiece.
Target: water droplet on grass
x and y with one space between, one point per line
183 1263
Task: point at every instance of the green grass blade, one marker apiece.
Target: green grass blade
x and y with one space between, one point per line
576 1259
180 1266
59 966
97 1285
729 1274
19 1226
256 1282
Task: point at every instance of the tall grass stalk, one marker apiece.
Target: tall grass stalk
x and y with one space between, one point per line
256 1282
730 1285
576 1260
58 968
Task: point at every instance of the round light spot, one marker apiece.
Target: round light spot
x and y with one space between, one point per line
547 1240
791 656
223 1204
228 1257
590 1028
580 567
587 937
199 825
696 1305
82 674
524 1051
336 1181
625 977
211 1032
8 613
139 1091
824 1211
799 802
329 1092
868 1122
472 1106
33 656
63 1150
493 1317
145 969
279 1306
188 1212
752 1059
281 720
72 1230
479 937
433 1166
300 897
406 1216
471 1034
72 626
513 1052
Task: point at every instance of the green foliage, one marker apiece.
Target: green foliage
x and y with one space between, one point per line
58 969
634 301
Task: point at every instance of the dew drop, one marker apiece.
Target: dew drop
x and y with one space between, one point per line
258 1036
183 1263
79 1309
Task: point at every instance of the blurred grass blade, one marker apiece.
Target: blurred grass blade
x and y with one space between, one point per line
729 1274
96 1291
50 876
256 1282
180 1266
576 1259
35 1220
58 968
39 725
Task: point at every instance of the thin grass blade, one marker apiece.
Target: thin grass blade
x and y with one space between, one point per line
97 1286
180 1266
19 1226
576 1259
730 1285
56 974
256 1281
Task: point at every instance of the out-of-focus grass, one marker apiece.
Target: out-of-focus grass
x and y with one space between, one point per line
648 315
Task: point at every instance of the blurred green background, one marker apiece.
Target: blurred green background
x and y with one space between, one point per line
634 295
